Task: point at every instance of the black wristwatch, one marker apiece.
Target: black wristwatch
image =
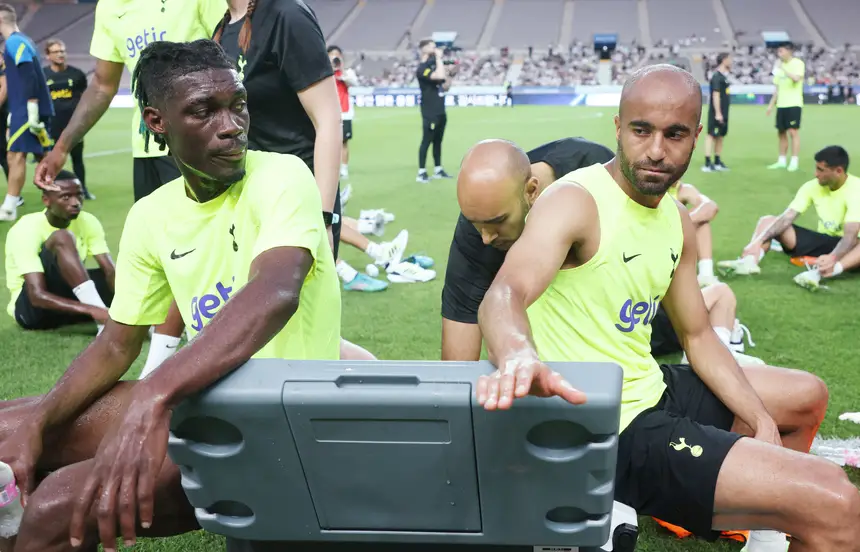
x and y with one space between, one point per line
330 218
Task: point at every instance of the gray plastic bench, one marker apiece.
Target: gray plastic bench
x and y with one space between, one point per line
388 455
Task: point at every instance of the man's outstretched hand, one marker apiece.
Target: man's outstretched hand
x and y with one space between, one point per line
48 169
125 468
517 378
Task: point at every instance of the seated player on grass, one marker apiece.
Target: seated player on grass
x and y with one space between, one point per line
240 242
703 210
45 256
494 203
707 447
833 249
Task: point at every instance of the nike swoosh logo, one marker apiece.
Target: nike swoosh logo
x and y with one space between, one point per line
628 259
174 256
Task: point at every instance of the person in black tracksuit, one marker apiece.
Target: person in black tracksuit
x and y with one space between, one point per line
280 54
67 85
434 81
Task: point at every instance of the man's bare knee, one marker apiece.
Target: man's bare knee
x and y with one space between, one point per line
45 526
59 239
836 521
812 395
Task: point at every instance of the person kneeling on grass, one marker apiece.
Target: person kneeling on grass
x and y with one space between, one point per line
833 249
240 242
45 255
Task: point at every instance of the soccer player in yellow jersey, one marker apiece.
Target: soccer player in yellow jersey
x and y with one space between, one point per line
123 28
788 78
601 248
45 254
239 225
833 248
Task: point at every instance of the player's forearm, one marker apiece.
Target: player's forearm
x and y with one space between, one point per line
715 99
327 156
242 327
717 368
846 244
89 377
505 326
94 103
48 301
777 227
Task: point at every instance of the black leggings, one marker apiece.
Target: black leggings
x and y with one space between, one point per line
434 130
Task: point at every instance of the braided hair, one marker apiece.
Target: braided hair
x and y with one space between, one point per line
163 62
244 32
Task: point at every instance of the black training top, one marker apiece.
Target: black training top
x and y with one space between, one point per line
287 54
472 265
720 84
432 93
66 87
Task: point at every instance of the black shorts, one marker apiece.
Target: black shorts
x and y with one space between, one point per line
716 128
670 455
347 131
664 340
810 243
787 117
151 173
30 317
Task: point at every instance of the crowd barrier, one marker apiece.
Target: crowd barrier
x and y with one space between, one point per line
496 96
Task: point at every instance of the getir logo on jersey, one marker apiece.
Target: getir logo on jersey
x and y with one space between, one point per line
632 314
203 308
134 44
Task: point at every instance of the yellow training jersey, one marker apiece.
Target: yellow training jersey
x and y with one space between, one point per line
834 209
24 243
201 253
790 93
125 27
601 311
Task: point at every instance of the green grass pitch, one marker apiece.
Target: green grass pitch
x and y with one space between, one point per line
791 327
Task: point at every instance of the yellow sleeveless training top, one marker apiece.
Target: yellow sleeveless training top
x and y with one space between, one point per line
601 311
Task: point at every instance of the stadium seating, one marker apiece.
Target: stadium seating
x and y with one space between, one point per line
380 36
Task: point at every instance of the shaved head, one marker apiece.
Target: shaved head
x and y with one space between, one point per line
662 80
657 126
491 190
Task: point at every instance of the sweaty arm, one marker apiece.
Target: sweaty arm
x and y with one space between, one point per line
709 357
531 264
41 298
94 103
702 208
90 375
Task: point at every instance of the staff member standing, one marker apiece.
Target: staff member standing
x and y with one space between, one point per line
67 84
280 54
434 81
718 114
